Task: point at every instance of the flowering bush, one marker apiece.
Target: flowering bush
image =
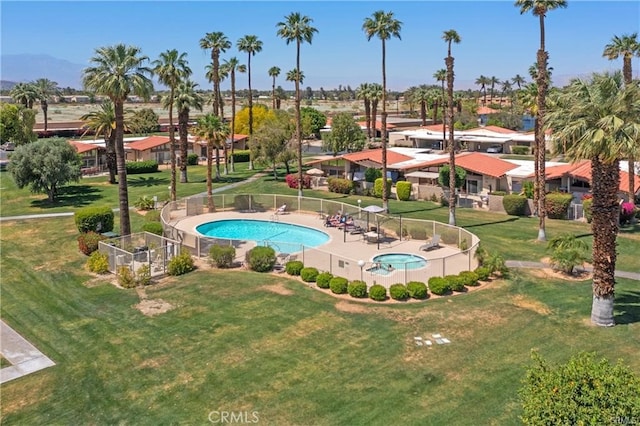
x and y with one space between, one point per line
292 181
627 210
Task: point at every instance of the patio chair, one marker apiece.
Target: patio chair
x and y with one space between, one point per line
282 209
433 243
418 341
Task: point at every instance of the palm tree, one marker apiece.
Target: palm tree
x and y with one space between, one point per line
118 71
24 93
493 81
217 42
251 45
451 36
505 86
435 101
233 65
540 8
594 121
297 27
626 46
273 73
384 26
375 94
211 129
186 99
482 81
421 95
518 80
363 92
45 89
441 76
171 68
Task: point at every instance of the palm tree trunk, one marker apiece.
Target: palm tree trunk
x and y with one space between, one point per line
210 205
385 195
172 146
606 211
367 116
298 131
112 161
250 110
217 163
540 142
452 150
183 122
45 112
632 179
123 192
273 93
423 112
233 117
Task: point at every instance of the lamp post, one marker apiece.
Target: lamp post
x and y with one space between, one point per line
361 265
359 209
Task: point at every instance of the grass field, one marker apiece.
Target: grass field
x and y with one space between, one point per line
244 342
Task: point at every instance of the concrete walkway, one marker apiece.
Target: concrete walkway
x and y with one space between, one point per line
23 356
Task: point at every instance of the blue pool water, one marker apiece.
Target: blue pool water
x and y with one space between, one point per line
398 261
283 237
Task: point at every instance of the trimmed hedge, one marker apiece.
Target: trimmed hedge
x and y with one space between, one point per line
398 292
371 174
357 289
338 285
403 189
293 267
309 274
515 205
417 289
222 256
469 278
439 286
240 155
137 167
456 283
340 186
153 227
323 279
192 159
520 150
378 293
261 259
483 273
557 204
96 219
377 188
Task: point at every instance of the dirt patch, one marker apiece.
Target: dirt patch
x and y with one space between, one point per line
278 289
98 280
531 304
352 308
151 307
546 273
156 362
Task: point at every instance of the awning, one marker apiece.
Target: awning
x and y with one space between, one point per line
369 164
424 175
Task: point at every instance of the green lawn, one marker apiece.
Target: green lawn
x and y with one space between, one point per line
304 357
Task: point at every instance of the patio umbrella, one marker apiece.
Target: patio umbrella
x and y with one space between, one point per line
315 172
372 209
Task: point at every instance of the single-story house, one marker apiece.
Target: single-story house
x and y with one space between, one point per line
150 148
92 155
200 146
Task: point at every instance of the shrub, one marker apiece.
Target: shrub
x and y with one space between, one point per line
144 203
309 274
180 264
495 263
323 279
97 219
241 155
557 204
153 227
456 282
371 174
528 188
567 252
152 216
222 256
338 285
143 275
417 290
126 278
498 193
398 292
357 289
377 188
520 150
98 263
88 242
293 267
378 293
515 205
192 159
439 286
586 207
261 259
292 181
403 189
339 185
469 278
137 167
483 273
584 391
627 212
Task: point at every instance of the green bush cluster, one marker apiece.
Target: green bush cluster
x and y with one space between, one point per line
377 188
309 274
338 285
357 289
339 185
96 219
153 227
515 205
98 263
469 278
557 204
144 203
143 275
520 150
88 242
403 189
417 289
496 264
455 282
323 279
240 155
180 264
222 256
261 259
192 159
498 193
152 216
483 273
126 278
371 174
439 286
398 292
586 207
138 167
293 267
378 293
528 188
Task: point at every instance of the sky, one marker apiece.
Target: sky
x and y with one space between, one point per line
496 40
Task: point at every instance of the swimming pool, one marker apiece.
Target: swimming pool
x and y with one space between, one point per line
384 264
282 237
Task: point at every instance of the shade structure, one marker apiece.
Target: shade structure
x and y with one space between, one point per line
315 172
373 209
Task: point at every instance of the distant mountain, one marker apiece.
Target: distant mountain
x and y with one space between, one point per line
7 85
26 67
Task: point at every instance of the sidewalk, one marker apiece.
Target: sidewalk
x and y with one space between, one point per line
23 356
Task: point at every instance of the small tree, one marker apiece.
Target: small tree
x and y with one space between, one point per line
312 121
45 166
443 177
346 134
144 121
567 252
16 124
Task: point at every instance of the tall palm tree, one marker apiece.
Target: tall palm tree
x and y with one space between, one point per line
274 72
451 36
493 81
435 99
45 89
24 93
540 8
375 94
233 65
186 99
421 96
482 81
505 87
593 120
518 80
362 93
297 28
211 129
626 46
118 71
171 68
217 42
251 45
441 76
384 26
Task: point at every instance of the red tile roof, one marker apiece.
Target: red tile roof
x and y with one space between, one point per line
582 170
434 128
375 155
486 110
478 163
82 147
148 143
496 129
378 125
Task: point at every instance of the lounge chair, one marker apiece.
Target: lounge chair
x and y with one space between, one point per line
433 243
282 209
